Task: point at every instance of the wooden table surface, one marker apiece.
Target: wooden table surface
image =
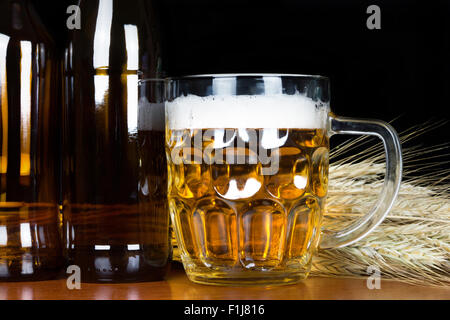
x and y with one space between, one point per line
178 287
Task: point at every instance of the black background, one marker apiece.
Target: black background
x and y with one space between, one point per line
400 70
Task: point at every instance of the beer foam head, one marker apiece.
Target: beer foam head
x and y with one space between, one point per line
246 111
151 116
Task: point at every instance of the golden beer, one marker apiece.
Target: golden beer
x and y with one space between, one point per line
231 220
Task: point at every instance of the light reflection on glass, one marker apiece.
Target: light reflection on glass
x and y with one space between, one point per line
102 36
133 247
132 45
133 264
225 86
102 42
272 85
300 182
271 140
27 266
40 236
101 83
25 235
224 138
103 264
251 187
4 272
4 41
102 247
36 236
132 101
25 107
67 235
3 236
243 134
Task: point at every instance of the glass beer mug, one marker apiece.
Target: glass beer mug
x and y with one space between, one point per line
248 159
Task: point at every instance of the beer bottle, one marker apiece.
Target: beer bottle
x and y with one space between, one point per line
30 241
116 224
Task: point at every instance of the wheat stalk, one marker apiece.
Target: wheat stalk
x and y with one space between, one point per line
413 243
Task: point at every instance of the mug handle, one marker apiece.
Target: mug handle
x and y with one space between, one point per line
363 226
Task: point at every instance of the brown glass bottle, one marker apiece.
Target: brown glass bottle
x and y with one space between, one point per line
114 229
30 241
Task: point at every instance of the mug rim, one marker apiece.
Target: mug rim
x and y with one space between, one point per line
249 75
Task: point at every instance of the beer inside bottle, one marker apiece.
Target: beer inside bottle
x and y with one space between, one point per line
116 225
30 247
